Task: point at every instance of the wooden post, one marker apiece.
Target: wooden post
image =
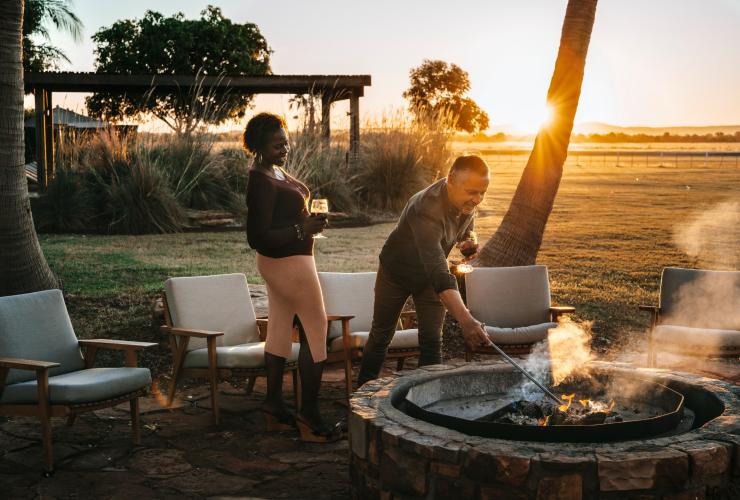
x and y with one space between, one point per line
354 127
49 137
40 140
44 138
325 119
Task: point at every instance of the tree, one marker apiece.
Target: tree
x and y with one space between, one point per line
439 88
22 264
209 46
517 240
36 18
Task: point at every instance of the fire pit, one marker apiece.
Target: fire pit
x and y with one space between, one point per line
458 431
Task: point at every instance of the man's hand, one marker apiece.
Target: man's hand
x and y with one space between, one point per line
475 335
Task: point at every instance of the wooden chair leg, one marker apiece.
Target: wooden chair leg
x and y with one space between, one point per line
348 375
399 364
213 378
296 389
468 355
250 385
179 356
135 424
71 419
45 420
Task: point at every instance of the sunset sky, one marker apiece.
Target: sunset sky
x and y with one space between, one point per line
653 63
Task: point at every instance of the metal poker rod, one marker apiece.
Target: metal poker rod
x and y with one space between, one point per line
525 372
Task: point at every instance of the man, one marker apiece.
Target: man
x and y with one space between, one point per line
413 262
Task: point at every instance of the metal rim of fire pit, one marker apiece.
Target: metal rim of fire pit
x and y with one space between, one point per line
606 432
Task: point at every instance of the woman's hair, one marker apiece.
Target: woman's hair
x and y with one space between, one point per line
259 130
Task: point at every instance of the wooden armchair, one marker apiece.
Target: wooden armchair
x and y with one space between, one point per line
43 372
698 314
514 303
214 333
348 299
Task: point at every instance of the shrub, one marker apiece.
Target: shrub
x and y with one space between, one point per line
323 170
399 157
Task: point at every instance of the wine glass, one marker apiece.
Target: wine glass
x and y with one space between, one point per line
467 251
319 206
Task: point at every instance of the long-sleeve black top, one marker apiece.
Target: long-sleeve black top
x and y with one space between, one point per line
416 251
274 207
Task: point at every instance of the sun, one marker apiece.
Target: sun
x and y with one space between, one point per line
532 120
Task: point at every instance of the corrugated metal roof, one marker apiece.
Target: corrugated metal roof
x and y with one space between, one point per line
69 118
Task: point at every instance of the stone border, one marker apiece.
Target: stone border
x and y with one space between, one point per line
392 453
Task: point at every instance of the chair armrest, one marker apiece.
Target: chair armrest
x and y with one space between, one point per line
653 309
27 364
338 317
406 319
118 345
190 332
130 347
557 311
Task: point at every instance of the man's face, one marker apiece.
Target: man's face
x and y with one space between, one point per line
466 190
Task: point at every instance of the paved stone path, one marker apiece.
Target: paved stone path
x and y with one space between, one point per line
183 455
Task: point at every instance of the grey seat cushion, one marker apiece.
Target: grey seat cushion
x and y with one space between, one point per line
250 355
679 338
519 335
82 386
36 326
402 339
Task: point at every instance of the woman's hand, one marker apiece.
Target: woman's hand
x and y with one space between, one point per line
314 224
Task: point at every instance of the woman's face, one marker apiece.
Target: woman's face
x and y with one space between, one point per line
276 149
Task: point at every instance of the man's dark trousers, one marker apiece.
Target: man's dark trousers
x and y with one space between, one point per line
390 297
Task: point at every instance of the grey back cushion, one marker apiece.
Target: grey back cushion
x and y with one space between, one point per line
219 303
36 326
700 298
348 294
509 297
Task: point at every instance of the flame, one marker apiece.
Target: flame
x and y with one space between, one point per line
543 421
584 402
158 396
569 399
611 406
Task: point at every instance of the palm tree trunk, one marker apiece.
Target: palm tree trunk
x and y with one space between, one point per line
517 240
22 264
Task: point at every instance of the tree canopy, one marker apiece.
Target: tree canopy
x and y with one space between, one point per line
39 56
439 87
210 46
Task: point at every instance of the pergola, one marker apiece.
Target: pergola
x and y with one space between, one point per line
331 88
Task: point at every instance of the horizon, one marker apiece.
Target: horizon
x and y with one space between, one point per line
676 46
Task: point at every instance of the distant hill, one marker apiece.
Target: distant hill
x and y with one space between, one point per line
605 128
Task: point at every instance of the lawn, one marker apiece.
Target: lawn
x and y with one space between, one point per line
610 234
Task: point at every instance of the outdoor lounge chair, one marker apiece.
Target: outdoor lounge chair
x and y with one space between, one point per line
348 300
214 332
43 372
514 303
698 314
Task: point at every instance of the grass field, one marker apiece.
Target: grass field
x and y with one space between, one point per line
610 234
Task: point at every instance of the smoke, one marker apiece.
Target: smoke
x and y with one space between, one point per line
563 356
712 236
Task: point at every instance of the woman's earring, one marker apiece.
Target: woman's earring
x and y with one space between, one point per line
258 158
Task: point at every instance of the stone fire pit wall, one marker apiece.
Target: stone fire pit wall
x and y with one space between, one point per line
396 456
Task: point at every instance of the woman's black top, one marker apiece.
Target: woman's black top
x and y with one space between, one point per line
274 207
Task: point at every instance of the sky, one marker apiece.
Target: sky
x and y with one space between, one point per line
650 62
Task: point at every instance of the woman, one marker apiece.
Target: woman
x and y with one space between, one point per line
280 229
